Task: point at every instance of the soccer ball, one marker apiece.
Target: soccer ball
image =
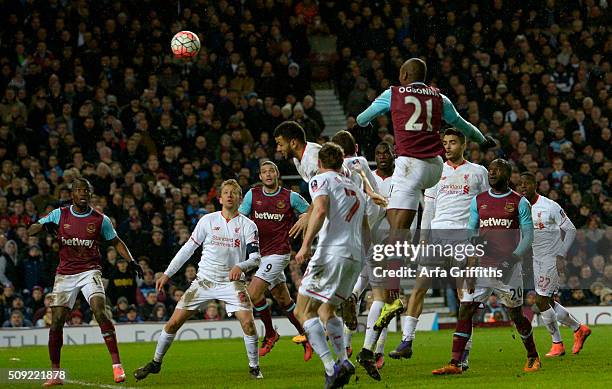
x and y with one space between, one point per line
185 44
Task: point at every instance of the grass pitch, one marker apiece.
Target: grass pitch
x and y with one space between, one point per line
496 361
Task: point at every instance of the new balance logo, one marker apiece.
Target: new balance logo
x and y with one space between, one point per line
495 222
78 242
269 216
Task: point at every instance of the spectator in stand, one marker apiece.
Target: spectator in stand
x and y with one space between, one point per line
9 265
16 320
131 316
120 310
121 283
146 310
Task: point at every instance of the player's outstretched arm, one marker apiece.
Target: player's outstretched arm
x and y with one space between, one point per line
35 229
366 238
378 199
300 206
452 117
380 106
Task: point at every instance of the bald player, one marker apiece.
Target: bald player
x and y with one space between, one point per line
417 111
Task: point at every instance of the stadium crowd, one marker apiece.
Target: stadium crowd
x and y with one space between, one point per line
90 89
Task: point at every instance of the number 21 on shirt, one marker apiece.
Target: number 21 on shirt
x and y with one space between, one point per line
411 123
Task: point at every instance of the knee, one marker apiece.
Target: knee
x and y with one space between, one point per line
543 303
171 327
466 310
57 323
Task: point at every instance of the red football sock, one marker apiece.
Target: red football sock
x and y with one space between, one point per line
296 323
56 340
265 314
523 326
460 338
108 333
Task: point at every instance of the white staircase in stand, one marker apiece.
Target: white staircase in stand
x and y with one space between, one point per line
333 115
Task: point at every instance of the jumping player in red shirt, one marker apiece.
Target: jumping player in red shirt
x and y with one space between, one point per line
79 230
417 111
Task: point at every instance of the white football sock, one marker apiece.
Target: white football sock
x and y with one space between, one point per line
335 332
409 325
550 321
380 345
316 337
565 317
360 286
348 337
370 335
250 342
163 344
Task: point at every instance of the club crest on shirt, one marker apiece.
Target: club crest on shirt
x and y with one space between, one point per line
483 206
91 228
509 207
280 204
237 229
314 185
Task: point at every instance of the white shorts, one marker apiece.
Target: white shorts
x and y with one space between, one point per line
510 294
330 279
233 294
272 269
67 287
545 276
410 177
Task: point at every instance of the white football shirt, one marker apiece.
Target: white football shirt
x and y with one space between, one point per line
379 224
548 221
340 234
308 165
224 245
452 195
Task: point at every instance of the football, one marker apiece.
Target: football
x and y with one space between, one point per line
185 44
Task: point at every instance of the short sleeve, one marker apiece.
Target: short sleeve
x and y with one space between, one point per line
108 231
318 186
431 193
52 217
247 203
298 203
525 213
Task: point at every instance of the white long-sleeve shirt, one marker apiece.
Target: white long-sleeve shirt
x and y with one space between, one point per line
548 221
226 243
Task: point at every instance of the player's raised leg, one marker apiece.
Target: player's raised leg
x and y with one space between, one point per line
280 293
166 337
98 306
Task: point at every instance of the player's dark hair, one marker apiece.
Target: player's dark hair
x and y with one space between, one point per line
331 156
455 132
386 145
505 165
84 181
529 175
290 130
268 162
345 140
